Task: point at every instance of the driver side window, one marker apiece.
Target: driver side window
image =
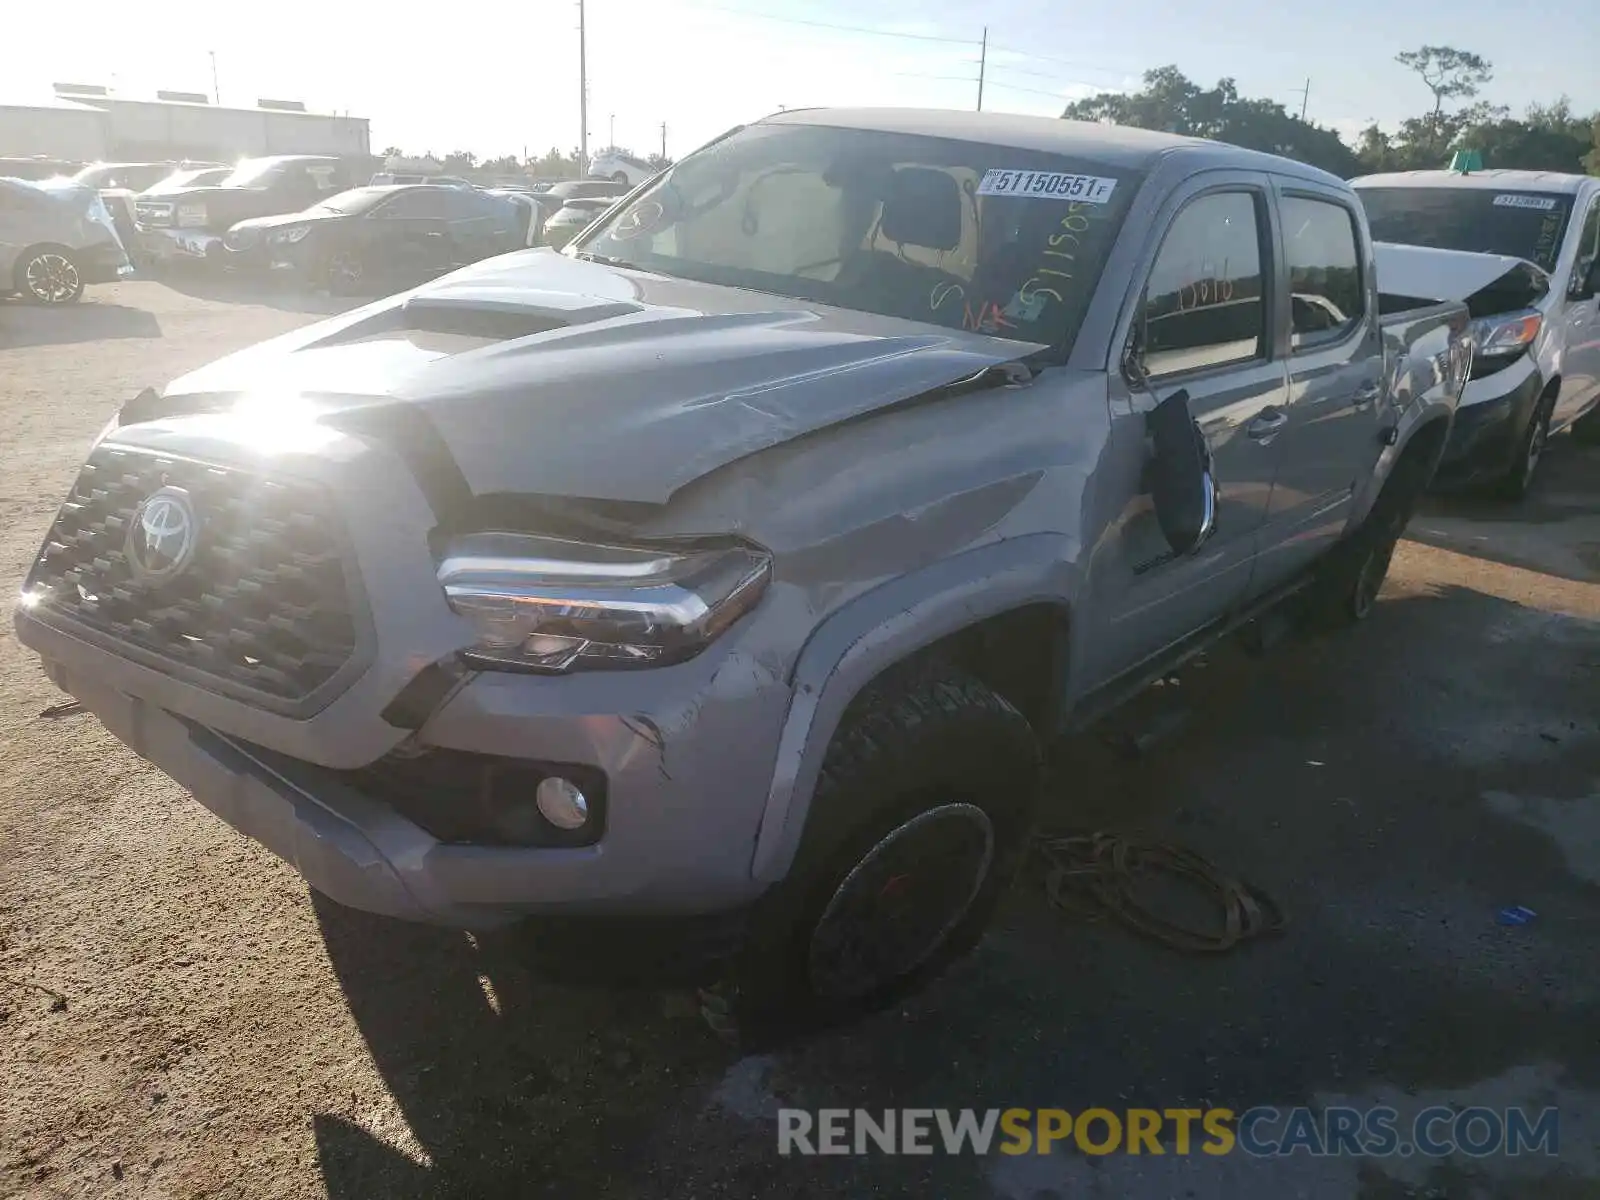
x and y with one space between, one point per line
1204 304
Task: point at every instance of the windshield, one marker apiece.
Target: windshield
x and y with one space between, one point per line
251 173
961 234
356 200
194 178
1522 224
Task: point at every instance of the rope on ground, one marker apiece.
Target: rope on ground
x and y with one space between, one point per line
1097 875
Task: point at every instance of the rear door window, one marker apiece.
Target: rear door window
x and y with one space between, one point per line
1326 297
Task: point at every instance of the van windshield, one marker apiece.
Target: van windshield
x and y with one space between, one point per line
1518 223
962 234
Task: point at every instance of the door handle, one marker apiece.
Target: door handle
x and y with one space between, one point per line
1365 396
1268 423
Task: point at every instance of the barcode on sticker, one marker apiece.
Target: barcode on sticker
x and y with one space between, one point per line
1512 200
1047 185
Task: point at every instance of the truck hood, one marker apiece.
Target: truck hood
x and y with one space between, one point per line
546 375
1488 283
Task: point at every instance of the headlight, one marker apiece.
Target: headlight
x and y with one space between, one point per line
1492 336
291 236
553 605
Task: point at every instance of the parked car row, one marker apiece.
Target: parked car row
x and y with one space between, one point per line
375 238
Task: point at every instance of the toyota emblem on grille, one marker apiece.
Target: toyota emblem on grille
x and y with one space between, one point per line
162 536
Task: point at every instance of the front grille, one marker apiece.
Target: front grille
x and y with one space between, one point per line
263 606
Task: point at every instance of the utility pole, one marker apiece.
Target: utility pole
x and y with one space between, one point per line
583 97
1305 99
663 140
216 94
613 133
983 60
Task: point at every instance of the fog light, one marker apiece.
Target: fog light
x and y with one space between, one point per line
562 803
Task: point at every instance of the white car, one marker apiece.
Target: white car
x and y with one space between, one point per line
620 168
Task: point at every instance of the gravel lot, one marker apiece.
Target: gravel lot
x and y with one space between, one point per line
221 1032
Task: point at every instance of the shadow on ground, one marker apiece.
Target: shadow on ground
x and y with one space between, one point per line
1348 776
226 287
23 324
1555 530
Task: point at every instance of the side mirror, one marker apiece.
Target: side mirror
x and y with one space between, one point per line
1182 483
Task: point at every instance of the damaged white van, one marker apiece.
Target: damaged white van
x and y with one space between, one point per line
1522 248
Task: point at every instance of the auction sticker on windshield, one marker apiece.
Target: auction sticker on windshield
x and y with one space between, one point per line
1046 185
1513 200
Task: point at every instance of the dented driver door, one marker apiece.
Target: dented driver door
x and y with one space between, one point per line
1205 305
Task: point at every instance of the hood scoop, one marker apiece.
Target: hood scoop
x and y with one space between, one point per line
488 314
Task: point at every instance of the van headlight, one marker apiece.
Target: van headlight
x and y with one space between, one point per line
554 605
1513 334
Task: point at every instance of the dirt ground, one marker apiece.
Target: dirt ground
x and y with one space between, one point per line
179 1017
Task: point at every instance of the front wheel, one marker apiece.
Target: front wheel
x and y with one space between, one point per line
920 820
1518 481
47 275
342 273
619 177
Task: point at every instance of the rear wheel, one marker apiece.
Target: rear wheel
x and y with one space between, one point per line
48 275
1344 590
919 823
619 177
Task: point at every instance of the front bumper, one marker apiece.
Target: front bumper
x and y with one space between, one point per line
686 751
681 816
167 245
1490 425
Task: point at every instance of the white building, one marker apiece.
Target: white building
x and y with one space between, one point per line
92 123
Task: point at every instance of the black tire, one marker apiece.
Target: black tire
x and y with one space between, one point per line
1518 480
1586 429
1344 590
619 177
48 274
928 761
343 274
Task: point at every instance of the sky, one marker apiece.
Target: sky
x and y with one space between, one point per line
505 79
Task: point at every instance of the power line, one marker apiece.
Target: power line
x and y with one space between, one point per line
1065 62
915 37
994 66
1011 87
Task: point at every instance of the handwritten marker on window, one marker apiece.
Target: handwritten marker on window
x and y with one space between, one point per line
1516 915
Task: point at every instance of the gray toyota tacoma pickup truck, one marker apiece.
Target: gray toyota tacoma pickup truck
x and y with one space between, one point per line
737 562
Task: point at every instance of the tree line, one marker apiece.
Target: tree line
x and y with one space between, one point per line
1547 137
553 164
